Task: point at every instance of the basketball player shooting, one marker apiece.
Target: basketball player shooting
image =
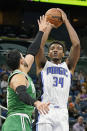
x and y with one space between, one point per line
56 78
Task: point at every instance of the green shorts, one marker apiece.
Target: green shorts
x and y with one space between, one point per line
16 123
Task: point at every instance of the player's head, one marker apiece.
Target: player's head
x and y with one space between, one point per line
56 50
15 59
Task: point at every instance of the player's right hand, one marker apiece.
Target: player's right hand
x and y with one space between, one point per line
42 107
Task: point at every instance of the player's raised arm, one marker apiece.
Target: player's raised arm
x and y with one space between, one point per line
75 48
33 49
40 58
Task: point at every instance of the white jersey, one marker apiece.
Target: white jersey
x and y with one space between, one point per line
56 81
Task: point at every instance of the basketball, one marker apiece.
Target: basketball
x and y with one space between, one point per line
54 17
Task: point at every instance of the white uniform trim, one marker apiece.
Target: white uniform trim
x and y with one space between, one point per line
20 114
22 123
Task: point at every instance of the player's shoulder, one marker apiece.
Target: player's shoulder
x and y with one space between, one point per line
16 77
47 63
64 64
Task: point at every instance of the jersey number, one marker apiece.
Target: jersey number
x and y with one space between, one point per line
57 81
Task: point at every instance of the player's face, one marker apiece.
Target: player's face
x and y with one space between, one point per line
56 51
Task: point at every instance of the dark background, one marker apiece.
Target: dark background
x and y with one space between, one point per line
25 14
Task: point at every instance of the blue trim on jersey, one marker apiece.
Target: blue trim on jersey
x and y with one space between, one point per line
71 75
70 84
37 123
36 127
42 84
56 107
71 79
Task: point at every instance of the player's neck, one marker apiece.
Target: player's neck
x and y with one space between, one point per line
23 69
56 61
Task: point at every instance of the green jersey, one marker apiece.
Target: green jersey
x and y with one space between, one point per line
14 105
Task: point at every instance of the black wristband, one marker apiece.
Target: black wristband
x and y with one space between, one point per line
21 91
34 47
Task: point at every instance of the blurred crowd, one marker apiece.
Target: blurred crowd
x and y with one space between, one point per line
77 101
4 73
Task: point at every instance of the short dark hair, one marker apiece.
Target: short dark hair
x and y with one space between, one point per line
13 59
58 42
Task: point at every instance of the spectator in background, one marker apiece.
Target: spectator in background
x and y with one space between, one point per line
79 126
4 82
78 86
85 83
70 99
73 112
76 75
4 70
83 95
81 77
83 100
75 88
77 104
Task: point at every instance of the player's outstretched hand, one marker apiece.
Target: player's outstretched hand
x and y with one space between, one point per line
43 24
42 107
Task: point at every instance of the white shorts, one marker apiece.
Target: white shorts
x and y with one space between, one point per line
55 120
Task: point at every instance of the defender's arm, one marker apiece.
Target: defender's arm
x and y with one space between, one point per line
40 58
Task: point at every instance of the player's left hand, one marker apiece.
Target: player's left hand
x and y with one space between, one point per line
42 107
64 16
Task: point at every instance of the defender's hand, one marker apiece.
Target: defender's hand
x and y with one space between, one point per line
43 24
42 107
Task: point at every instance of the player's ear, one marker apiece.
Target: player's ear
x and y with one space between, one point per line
63 54
21 61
